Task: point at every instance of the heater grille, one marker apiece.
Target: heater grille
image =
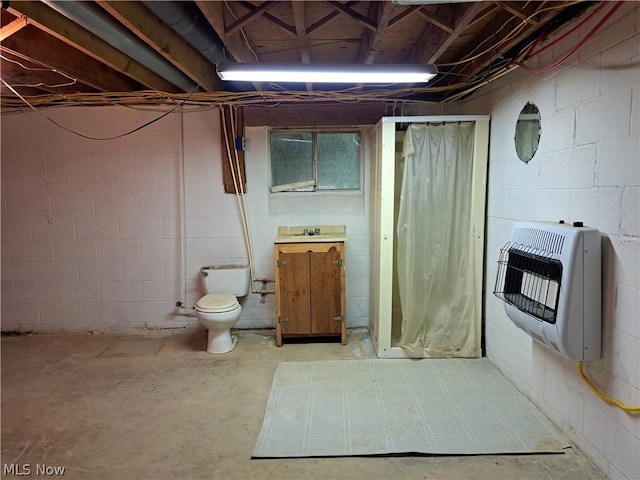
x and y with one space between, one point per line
538 239
529 278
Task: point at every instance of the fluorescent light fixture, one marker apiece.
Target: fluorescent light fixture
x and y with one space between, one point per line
324 73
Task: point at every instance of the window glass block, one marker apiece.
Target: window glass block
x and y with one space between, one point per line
291 157
338 155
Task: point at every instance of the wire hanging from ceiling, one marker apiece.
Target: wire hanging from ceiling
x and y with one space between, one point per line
514 64
508 36
178 105
72 81
573 50
244 36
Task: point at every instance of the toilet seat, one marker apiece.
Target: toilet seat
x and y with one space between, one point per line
217 303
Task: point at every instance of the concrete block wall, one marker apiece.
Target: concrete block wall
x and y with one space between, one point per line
91 230
587 168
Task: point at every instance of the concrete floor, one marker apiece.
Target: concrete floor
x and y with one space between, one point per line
156 407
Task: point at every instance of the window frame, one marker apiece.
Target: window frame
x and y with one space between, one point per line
315 131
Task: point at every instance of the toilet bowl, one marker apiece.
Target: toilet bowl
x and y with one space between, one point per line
218 311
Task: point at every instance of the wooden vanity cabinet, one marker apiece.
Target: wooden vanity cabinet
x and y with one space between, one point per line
310 292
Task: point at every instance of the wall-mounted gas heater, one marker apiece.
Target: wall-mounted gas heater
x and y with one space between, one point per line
549 277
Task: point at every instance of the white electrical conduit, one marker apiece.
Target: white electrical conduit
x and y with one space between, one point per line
183 229
238 185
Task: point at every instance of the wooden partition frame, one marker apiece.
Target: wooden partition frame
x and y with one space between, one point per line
382 225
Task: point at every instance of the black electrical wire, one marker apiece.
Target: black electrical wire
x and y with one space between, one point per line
140 127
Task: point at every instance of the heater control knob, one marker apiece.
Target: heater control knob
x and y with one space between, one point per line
561 222
578 224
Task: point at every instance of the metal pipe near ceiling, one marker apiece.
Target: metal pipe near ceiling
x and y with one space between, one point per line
185 19
93 18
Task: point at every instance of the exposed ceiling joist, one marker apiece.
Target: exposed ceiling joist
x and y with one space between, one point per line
301 31
430 39
460 24
408 11
371 40
136 17
72 34
481 18
326 19
257 12
361 19
240 47
435 21
515 10
63 57
238 44
13 27
252 16
283 26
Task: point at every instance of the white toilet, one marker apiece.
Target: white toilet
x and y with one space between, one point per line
219 310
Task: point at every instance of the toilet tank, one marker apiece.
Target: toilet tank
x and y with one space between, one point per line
231 279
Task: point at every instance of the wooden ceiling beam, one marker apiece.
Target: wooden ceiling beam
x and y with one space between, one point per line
64 57
361 19
242 49
517 12
430 38
252 16
13 27
326 19
164 40
371 41
481 17
461 23
407 12
285 27
257 12
435 21
239 45
301 31
69 32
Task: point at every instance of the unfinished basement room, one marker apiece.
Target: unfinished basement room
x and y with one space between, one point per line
328 240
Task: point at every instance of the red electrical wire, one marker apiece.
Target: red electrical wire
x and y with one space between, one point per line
574 49
566 34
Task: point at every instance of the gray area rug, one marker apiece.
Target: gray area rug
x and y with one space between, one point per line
377 407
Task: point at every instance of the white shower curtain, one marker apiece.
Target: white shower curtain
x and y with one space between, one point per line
434 260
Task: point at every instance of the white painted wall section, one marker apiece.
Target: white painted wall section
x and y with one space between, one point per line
587 169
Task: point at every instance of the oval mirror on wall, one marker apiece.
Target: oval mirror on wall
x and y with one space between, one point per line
528 131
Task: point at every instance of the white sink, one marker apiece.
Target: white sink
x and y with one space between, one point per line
307 234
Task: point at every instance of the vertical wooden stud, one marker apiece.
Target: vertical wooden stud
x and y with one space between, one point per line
231 135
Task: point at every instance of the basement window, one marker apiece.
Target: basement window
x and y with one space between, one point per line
312 161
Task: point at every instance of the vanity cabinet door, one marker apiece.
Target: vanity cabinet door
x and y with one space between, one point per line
326 310
293 294
310 294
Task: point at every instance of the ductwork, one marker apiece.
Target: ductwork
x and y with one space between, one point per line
187 21
93 18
